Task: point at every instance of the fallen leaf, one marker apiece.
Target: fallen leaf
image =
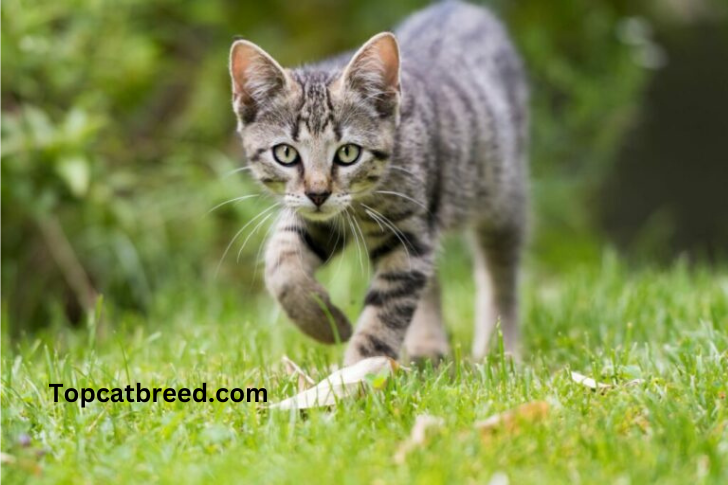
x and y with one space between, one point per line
592 384
5 458
342 383
418 435
510 420
498 478
22 463
304 380
588 381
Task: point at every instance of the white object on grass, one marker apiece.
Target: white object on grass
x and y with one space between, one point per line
592 384
343 383
588 381
418 436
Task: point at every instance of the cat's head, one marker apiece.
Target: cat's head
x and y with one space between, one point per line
319 139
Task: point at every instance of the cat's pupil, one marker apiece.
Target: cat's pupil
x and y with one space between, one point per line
347 154
285 154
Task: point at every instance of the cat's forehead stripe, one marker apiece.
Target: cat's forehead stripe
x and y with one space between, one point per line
316 109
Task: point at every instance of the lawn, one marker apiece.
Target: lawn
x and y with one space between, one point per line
665 326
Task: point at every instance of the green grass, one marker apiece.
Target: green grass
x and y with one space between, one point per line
666 326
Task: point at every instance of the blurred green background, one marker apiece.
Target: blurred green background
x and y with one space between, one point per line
118 137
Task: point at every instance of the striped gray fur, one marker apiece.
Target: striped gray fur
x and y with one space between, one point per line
439 114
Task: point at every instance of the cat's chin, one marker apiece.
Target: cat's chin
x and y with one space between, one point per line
318 215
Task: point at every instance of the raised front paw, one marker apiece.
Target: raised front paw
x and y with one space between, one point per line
312 312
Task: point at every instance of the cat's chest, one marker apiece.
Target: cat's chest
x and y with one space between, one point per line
374 222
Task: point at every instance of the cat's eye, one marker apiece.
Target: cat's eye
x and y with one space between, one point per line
347 154
285 154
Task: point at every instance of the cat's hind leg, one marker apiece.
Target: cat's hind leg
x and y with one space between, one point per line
426 338
497 254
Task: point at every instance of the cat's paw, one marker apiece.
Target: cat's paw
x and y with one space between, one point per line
426 341
427 350
364 346
322 321
338 330
353 356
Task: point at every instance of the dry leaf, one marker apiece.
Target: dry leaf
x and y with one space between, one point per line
592 384
423 422
498 478
509 420
6 458
26 464
304 380
340 384
588 381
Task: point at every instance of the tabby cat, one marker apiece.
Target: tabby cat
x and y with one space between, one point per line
417 133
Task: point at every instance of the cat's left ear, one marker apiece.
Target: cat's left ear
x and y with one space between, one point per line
374 72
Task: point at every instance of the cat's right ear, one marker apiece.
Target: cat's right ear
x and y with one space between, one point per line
256 77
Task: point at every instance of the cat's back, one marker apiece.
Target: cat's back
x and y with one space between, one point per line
446 28
463 85
453 39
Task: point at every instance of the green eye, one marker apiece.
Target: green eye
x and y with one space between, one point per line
285 154
347 154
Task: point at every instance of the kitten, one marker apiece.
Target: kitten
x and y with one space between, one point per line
418 133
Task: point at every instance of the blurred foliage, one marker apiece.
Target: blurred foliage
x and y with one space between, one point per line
117 133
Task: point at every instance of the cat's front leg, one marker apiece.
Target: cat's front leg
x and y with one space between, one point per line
293 254
404 266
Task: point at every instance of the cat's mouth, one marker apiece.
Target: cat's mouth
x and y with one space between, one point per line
335 205
319 214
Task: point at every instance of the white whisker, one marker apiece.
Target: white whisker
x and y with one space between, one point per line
336 243
263 241
342 229
236 199
253 231
389 192
232 172
237 234
378 216
402 169
356 239
364 242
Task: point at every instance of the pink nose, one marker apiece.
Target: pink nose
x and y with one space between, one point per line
318 198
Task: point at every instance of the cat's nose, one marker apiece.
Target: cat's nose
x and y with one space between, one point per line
318 198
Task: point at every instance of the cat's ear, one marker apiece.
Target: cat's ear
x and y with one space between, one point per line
256 77
374 72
